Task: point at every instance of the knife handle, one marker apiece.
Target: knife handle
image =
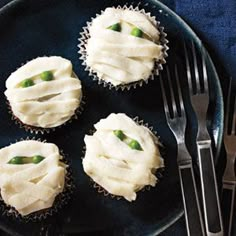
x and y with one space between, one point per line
193 216
228 198
210 195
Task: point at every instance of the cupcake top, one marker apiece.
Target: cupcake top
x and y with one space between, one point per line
44 93
31 175
122 156
123 46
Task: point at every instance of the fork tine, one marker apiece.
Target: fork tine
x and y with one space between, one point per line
234 118
175 113
228 107
190 86
205 80
198 87
182 111
167 113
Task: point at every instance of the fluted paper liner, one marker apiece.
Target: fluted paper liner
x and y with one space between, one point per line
158 172
60 201
40 130
84 36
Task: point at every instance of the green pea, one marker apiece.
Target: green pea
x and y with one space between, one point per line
17 160
119 134
135 145
115 27
37 158
27 83
46 75
137 32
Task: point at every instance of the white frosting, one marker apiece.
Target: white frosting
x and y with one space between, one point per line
116 167
31 187
47 103
119 57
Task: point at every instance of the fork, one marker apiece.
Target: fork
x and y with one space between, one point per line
229 179
177 124
200 101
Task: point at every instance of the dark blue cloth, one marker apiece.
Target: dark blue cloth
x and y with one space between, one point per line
214 21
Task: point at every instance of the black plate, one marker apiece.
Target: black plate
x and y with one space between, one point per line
35 28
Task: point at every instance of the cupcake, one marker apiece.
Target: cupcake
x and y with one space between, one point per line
122 156
44 92
32 175
123 47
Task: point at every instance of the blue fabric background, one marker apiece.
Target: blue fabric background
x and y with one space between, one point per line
214 21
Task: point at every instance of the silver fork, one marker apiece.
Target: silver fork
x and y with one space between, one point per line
200 102
229 178
177 124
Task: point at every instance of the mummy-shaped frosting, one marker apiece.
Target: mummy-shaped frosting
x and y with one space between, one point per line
31 187
120 56
43 92
122 156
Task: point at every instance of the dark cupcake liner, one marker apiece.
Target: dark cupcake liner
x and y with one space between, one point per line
84 36
60 201
159 173
39 130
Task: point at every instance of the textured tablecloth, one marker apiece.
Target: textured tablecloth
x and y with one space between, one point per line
214 21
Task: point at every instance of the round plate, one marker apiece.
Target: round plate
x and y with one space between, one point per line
36 28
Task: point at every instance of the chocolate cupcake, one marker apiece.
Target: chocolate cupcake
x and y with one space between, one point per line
33 179
44 93
122 156
123 47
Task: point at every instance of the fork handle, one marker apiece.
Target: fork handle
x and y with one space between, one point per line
228 198
193 216
210 195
